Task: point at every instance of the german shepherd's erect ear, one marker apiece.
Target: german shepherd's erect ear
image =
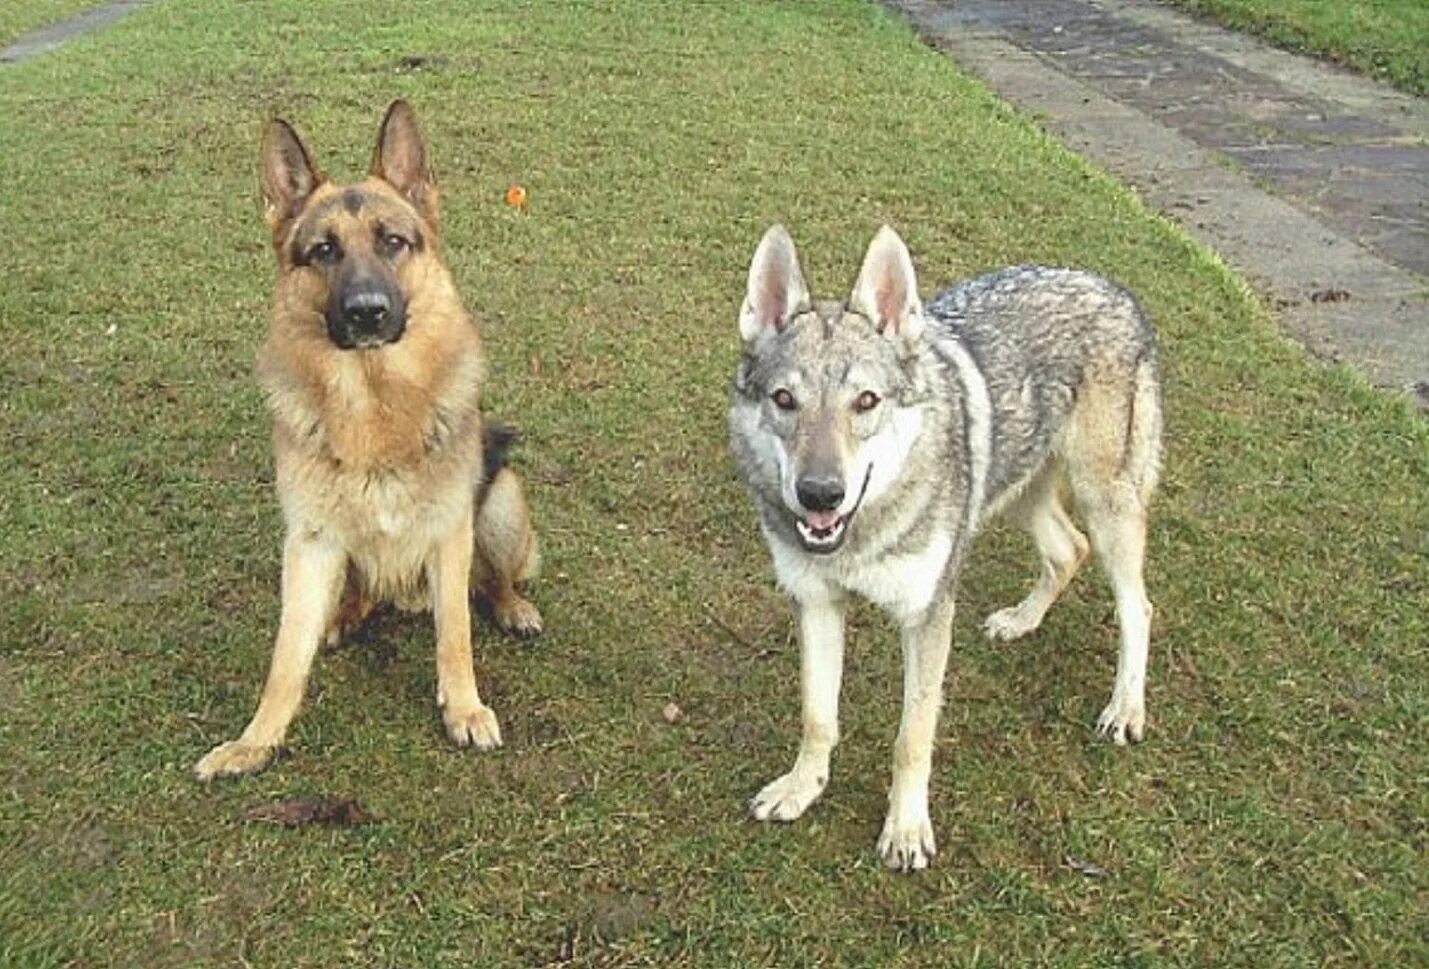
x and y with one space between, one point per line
401 161
289 177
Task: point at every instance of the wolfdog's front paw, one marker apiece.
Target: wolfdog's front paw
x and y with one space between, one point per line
907 843
1123 720
473 726
233 759
788 797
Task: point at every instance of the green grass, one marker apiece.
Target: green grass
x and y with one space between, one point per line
1386 39
1275 817
19 17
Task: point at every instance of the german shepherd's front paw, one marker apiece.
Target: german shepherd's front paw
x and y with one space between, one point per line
234 758
1123 721
474 726
787 797
907 843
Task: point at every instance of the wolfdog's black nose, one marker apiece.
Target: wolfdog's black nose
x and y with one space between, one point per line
366 311
819 494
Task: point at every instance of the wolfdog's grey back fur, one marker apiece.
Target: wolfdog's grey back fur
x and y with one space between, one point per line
1035 333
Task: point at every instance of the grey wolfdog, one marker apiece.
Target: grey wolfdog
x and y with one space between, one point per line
877 435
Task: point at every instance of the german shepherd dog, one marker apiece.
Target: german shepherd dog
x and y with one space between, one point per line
390 489
877 435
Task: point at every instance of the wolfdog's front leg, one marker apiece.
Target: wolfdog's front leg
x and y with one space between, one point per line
313 570
469 722
907 840
821 656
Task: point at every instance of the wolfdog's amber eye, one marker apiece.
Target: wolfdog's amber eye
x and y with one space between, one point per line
393 243
783 399
325 251
867 401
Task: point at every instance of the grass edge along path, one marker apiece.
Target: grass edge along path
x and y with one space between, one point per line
1387 40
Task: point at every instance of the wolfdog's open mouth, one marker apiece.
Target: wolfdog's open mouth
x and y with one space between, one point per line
824 531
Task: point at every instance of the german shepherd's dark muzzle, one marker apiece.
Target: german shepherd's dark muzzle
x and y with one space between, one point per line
365 310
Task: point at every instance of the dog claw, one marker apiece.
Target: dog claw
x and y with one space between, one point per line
1009 624
233 759
1122 722
473 727
907 847
519 618
786 798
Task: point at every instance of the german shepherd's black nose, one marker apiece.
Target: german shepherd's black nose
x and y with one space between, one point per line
819 494
366 311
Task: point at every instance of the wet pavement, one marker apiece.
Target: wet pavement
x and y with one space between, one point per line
1312 181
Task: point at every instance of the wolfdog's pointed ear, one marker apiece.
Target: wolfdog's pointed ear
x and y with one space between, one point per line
288 176
401 159
776 287
887 290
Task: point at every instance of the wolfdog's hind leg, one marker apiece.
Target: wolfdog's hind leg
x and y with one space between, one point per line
1062 547
1116 519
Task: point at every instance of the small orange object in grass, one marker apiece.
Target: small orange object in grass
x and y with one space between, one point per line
516 196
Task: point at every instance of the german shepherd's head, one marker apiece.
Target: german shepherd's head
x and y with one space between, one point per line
344 250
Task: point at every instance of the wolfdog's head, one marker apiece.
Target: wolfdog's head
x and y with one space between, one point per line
826 401
345 251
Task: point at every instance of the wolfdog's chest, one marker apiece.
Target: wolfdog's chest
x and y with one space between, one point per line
903 582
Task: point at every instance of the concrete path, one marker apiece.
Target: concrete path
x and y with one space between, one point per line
46 39
1313 182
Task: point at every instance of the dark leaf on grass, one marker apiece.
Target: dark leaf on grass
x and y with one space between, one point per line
1084 867
297 812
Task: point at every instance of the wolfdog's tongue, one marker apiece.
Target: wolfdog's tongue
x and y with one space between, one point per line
822 520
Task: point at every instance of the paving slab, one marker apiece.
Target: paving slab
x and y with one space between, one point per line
1308 179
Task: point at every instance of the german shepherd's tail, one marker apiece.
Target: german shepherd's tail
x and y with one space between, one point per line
496 441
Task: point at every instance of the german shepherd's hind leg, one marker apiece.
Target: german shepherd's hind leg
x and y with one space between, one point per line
355 606
469 722
313 570
1061 546
506 555
821 652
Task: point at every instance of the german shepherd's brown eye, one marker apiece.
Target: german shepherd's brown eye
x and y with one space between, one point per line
392 243
783 399
325 251
867 401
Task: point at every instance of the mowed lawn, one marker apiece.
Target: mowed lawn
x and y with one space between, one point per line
1275 816
1386 39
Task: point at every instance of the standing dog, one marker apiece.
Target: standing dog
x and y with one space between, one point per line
878 435
390 490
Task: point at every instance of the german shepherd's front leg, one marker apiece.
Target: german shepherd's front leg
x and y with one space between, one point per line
907 841
469 722
821 656
313 571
